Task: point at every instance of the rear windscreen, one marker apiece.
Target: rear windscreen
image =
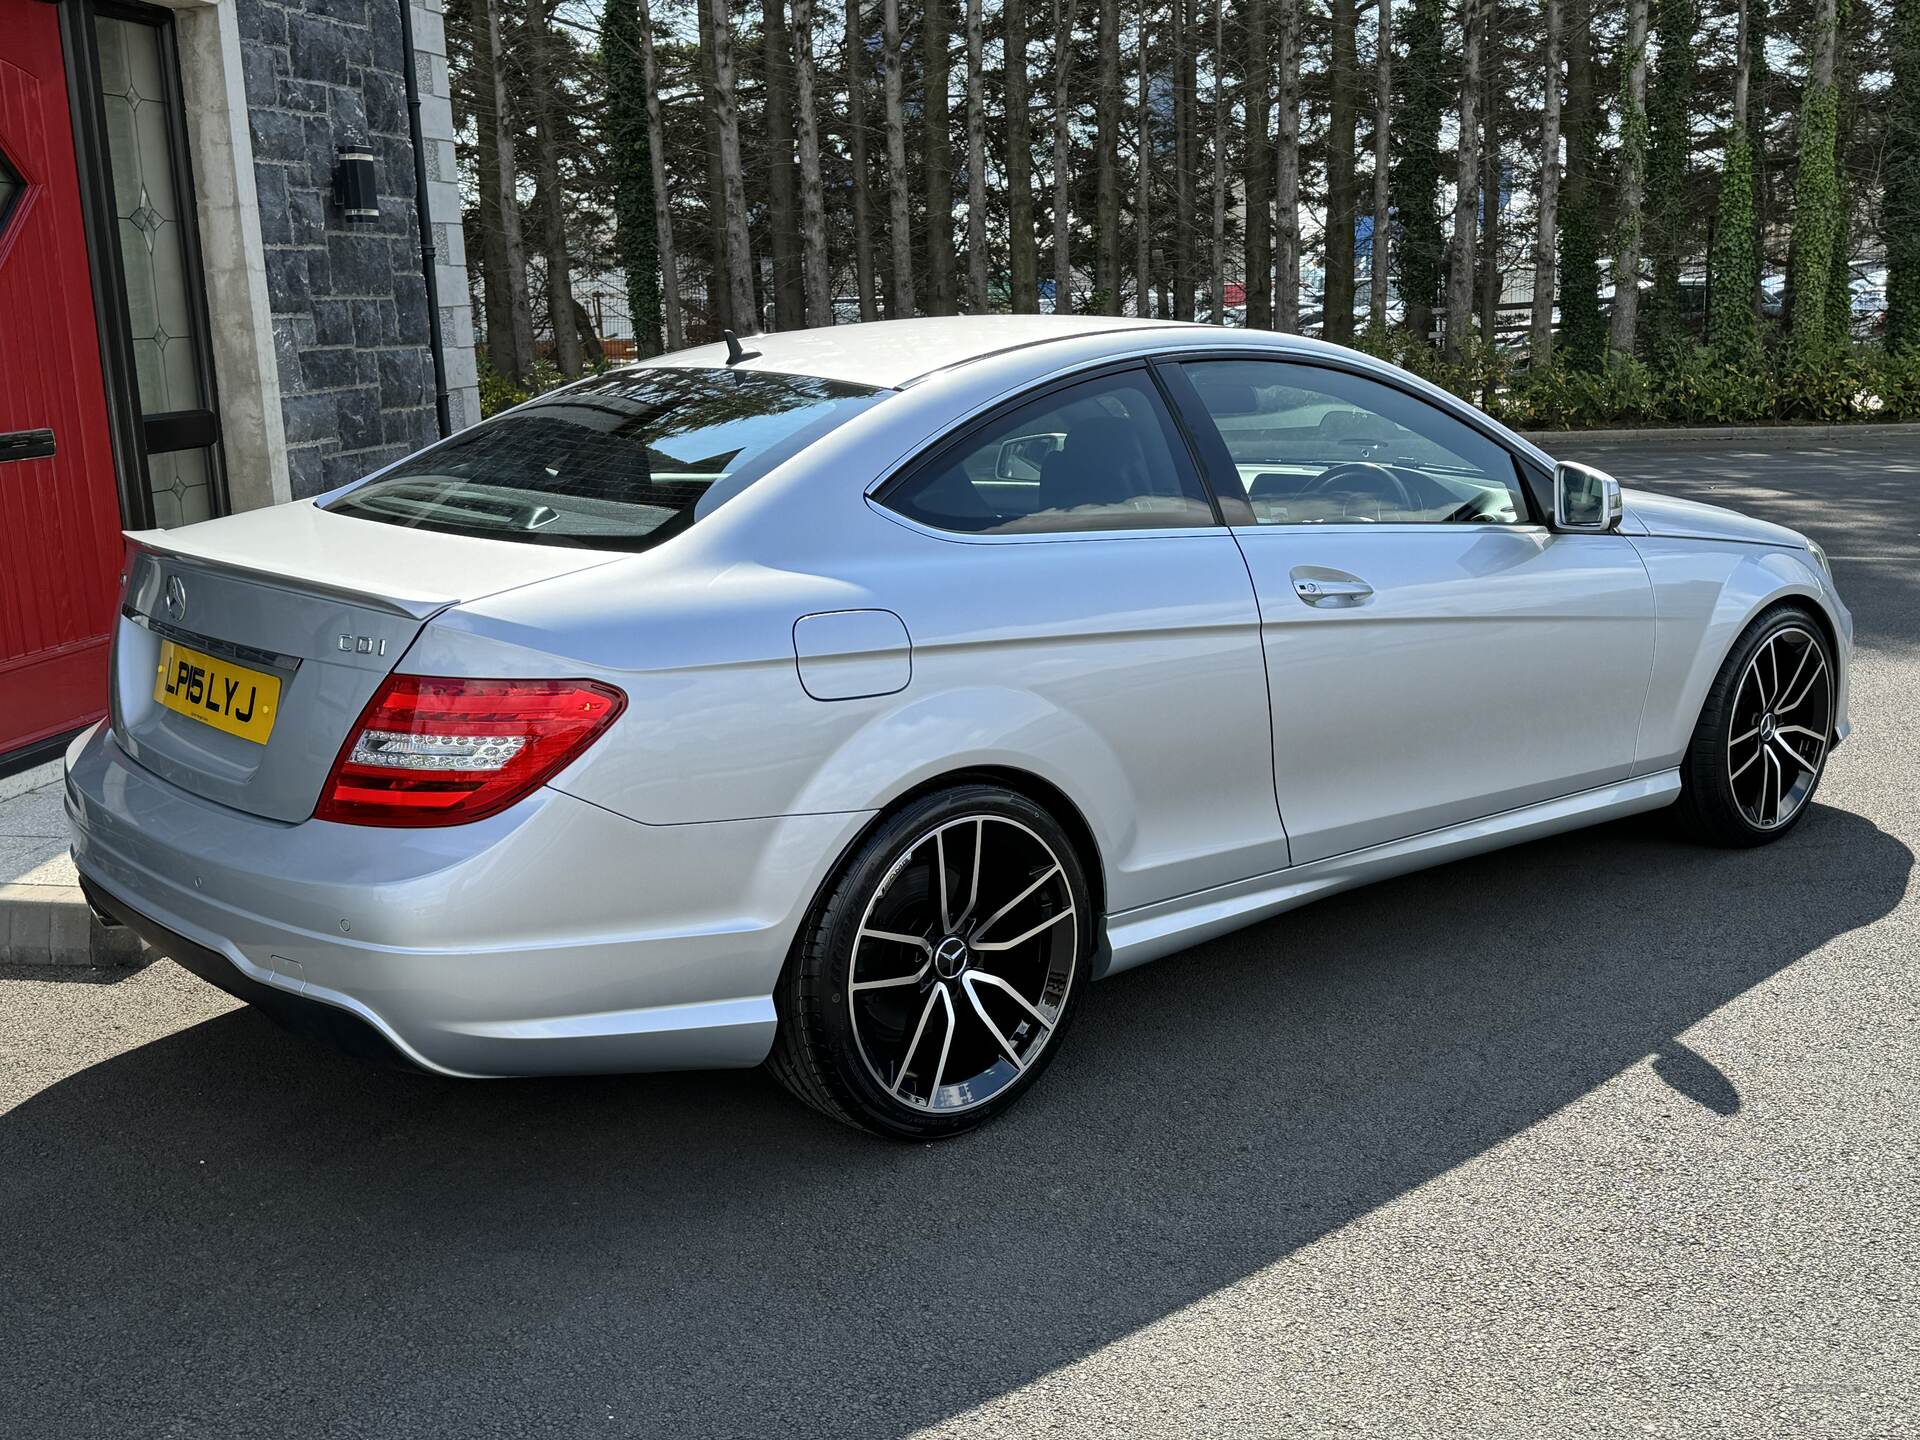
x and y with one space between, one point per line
620 462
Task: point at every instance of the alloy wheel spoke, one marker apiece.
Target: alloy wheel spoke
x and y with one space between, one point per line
1760 680
1006 909
1805 693
987 977
1025 935
940 879
946 1043
1813 735
1784 751
919 942
906 1058
973 889
1747 764
1742 739
914 979
967 983
1798 670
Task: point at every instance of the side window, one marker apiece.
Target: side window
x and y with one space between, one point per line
1100 455
1314 446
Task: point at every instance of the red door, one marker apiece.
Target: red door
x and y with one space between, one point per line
60 542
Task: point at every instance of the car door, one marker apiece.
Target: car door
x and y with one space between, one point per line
1074 575
1434 653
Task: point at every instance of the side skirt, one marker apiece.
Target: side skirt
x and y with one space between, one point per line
1150 931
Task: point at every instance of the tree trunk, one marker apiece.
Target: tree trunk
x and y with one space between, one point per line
1489 271
589 338
1540 333
1426 95
1180 258
1143 183
1218 279
1342 200
816 284
1107 177
1633 170
662 197
1902 210
1287 187
937 48
733 179
630 152
1377 262
1023 262
1259 180
1062 152
897 167
857 149
1466 185
776 49
567 354
1816 194
1582 342
512 354
720 314
976 167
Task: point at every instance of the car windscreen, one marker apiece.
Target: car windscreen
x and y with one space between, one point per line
620 462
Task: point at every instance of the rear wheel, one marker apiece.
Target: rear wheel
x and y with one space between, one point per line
935 980
1760 745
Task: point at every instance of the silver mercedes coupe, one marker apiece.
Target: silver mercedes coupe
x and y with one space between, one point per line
847 700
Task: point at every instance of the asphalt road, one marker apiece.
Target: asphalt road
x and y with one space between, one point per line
1606 1135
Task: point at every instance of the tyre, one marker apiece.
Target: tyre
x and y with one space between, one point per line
935 979
1761 742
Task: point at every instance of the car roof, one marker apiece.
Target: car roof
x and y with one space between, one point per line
895 353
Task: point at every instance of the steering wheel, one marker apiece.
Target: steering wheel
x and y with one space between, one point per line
1366 478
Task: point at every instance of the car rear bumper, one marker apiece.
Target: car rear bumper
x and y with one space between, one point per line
556 937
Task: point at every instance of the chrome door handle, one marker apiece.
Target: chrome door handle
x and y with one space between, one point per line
1331 591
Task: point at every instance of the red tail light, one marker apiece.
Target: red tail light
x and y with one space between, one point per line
434 751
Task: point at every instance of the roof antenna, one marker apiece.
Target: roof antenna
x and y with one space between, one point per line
734 353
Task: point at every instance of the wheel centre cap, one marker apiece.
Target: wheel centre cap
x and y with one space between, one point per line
950 957
1767 727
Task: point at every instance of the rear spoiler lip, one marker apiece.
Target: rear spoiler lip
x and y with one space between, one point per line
419 609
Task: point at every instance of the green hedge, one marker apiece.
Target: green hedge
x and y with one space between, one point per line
1695 386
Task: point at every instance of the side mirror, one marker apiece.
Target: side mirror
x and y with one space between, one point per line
1021 457
1585 498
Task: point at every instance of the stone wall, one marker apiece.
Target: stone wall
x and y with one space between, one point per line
349 304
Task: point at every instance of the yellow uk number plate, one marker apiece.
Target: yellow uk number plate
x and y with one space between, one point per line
217 692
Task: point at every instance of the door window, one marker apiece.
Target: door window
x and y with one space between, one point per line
159 260
1316 446
1100 455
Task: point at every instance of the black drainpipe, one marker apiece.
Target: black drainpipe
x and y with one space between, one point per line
434 341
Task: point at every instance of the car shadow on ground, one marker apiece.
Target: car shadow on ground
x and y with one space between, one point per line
230 1230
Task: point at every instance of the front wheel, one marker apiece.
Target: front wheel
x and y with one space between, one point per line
1760 745
935 980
